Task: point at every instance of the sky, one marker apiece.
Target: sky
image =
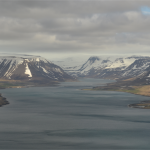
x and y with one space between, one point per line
65 28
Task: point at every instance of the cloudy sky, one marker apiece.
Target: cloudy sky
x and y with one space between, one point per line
53 28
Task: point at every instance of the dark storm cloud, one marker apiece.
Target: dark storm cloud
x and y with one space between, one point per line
74 26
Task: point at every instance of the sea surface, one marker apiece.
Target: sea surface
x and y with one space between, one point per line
67 118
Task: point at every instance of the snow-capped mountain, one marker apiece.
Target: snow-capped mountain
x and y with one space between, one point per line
71 63
29 67
112 67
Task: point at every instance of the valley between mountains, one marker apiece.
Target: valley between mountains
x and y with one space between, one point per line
132 73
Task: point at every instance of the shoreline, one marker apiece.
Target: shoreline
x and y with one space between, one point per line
141 105
142 90
136 90
3 101
8 84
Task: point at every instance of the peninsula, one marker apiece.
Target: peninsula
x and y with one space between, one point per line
129 87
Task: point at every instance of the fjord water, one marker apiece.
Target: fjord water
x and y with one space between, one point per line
65 117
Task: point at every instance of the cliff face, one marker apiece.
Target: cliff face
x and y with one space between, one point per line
3 101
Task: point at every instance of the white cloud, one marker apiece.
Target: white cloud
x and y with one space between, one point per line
74 26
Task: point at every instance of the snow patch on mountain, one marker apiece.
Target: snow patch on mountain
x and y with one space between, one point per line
121 62
57 70
44 70
27 71
70 63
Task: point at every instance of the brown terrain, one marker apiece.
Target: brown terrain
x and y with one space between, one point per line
132 86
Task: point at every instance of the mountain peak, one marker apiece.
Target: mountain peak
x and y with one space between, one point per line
93 59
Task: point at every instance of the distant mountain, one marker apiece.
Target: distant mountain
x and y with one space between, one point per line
29 67
112 67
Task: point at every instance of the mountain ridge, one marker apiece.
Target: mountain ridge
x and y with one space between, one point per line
112 67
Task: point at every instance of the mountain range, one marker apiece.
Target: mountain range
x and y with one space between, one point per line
116 67
32 68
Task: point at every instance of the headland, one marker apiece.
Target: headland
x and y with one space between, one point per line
3 101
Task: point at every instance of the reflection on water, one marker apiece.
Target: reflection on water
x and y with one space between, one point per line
66 117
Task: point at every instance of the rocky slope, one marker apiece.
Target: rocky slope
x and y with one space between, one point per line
3 101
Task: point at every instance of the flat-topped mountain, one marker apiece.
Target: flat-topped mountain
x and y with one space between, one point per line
29 67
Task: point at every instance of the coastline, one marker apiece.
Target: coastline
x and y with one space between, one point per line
3 101
141 105
137 90
143 90
7 84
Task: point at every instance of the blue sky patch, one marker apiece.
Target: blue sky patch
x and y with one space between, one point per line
145 10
